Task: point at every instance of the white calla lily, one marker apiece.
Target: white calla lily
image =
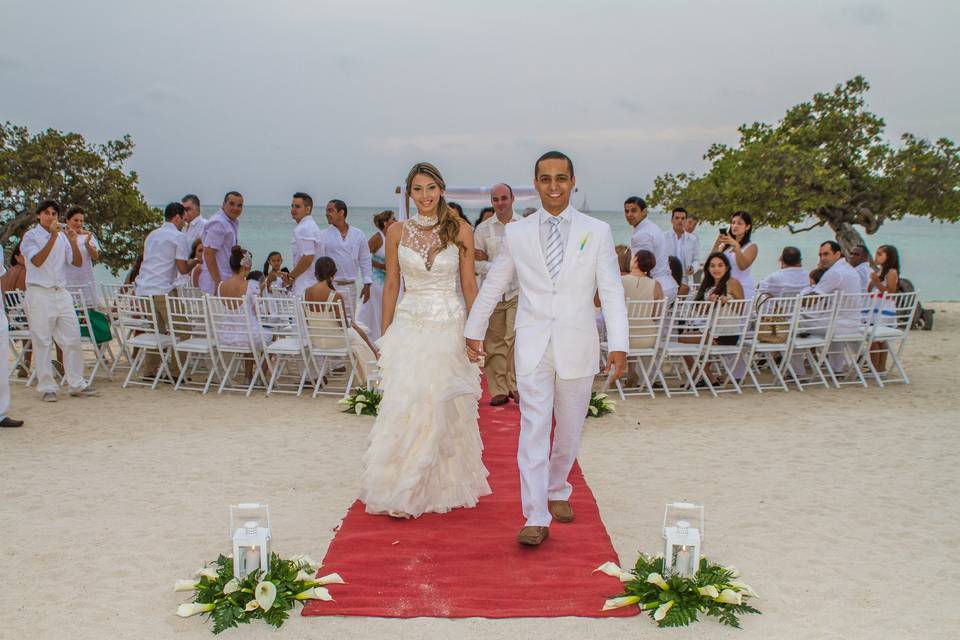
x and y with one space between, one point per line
231 587
613 570
622 601
729 596
743 588
657 579
206 572
330 578
265 593
358 409
185 585
662 610
709 590
315 593
252 605
188 609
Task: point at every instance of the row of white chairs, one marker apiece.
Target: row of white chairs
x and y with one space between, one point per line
801 340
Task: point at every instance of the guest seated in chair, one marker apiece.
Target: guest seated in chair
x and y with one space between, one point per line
639 286
237 286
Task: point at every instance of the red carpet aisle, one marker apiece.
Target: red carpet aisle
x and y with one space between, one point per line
467 562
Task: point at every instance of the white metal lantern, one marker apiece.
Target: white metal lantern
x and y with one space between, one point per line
681 552
250 528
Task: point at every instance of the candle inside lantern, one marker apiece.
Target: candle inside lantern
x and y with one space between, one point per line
681 565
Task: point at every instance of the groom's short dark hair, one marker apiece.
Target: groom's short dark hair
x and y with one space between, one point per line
553 155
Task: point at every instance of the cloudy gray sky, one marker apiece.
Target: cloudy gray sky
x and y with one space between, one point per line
339 99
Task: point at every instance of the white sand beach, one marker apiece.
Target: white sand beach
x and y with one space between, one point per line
841 508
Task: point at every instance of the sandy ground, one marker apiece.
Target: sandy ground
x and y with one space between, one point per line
839 507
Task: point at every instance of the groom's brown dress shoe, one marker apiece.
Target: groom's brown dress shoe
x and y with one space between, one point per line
11 423
560 510
496 401
533 536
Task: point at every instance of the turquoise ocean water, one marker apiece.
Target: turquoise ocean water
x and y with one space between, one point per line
927 249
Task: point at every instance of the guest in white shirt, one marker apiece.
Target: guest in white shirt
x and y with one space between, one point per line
690 222
220 235
838 277
790 280
677 240
5 420
49 250
165 256
741 251
307 244
193 222
348 247
81 278
501 332
859 259
647 235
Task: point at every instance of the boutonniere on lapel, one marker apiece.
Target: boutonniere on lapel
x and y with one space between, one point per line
584 240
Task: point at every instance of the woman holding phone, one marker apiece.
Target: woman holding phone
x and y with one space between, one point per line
734 242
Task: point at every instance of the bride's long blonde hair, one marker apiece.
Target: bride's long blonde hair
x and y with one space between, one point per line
448 222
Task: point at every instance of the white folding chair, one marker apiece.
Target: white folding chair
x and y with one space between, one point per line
192 346
850 342
686 337
893 319
138 319
101 351
288 347
770 341
234 342
191 292
816 319
325 328
21 342
110 292
731 321
645 320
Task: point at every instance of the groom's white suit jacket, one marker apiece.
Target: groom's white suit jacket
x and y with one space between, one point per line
560 313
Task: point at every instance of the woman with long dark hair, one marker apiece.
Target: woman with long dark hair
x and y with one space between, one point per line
718 281
425 448
887 281
734 242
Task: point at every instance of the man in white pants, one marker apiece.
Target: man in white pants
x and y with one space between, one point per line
560 257
48 250
5 420
348 248
307 244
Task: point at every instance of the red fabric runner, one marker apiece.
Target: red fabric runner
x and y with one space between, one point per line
467 563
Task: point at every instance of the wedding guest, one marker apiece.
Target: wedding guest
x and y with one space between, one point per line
456 207
639 286
191 278
237 286
307 244
816 275
677 241
719 282
790 280
131 278
347 246
734 241
81 278
676 271
165 256
501 332
623 258
219 237
838 277
275 273
887 281
371 311
49 249
15 276
193 221
690 222
5 420
485 214
325 273
859 259
646 235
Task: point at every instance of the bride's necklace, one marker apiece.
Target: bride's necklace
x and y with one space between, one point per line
425 221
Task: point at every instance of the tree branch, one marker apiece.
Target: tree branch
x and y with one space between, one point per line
819 223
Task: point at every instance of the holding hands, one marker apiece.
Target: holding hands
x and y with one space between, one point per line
474 350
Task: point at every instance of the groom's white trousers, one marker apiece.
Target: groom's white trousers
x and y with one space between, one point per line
543 472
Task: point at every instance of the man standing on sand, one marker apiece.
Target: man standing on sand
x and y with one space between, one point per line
498 343
350 252
193 222
219 237
307 244
690 222
647 235
560 258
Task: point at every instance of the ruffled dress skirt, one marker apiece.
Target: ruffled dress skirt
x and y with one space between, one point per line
425 453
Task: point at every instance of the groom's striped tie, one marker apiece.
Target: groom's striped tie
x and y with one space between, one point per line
554 247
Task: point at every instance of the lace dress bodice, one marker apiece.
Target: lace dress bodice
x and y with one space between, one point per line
430 276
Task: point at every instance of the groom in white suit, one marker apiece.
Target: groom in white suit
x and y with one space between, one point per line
561 258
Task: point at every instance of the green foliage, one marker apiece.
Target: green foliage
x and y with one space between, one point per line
230 609
687 602
66 168
825 163
363 402
600 405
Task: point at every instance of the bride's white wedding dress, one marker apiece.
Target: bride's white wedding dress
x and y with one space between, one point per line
425 448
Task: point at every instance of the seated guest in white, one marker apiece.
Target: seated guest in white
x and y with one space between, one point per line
838 277
887 281
676 270
790 280
859 259
307 244
647 235
237 286
325 272
5 420
690 222
639 286
49 249
350 252
719 286
191 279
165 257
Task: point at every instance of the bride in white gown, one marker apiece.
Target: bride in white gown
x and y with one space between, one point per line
425 448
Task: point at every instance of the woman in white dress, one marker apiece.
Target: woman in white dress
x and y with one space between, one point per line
740 251
425 448
370 313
